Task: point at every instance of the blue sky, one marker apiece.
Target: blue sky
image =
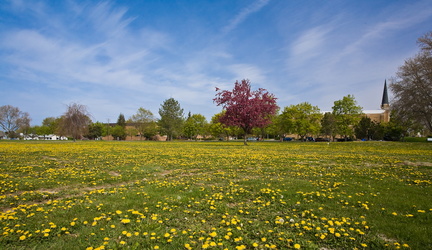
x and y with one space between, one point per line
117 56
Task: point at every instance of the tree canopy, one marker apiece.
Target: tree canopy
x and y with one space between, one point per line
171 118
302 119
328 125
76 120
245 108
121 121
347 114
412 87
144 122
12 118
95 130
195 125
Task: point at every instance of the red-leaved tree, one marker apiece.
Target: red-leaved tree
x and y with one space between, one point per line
245 108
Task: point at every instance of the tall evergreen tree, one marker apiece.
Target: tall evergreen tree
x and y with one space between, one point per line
328 125
171 118
121 121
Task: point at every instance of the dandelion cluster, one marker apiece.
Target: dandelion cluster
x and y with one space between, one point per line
176 195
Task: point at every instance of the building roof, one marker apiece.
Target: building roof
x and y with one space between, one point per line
385 95
375 111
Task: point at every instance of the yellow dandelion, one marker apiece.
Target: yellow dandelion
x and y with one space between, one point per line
125 221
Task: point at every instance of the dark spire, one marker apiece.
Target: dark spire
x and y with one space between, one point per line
385 101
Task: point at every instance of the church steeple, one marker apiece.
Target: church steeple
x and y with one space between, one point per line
385 102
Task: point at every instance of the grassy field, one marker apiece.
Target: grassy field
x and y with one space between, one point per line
215 195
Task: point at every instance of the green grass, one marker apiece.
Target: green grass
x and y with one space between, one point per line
215 195
415 139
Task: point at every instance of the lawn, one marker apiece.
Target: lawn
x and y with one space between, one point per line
215 195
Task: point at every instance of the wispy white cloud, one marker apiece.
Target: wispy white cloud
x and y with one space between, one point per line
412 15
252 72
310 44
115 59
243 14
333 59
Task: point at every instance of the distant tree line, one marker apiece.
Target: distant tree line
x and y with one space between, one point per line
255 113
303 120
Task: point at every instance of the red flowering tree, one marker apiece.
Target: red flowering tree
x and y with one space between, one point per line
245 108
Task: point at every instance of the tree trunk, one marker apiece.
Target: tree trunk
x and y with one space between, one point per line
245 140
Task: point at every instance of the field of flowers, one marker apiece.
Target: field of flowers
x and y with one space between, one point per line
215 195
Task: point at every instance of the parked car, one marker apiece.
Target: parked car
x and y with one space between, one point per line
320 139
287 139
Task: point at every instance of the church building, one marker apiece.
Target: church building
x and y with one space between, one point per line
382 115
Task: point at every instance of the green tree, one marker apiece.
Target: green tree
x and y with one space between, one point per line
328 125
42 130
363 129
121 121
398 127
220 130
95 130
302 119
171 118
118 132
347 114
50 125
270 131
216 128
274 130
369 130
195 125
131 131
144 122
151 130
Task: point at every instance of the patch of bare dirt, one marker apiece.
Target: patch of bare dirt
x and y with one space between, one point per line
418 164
